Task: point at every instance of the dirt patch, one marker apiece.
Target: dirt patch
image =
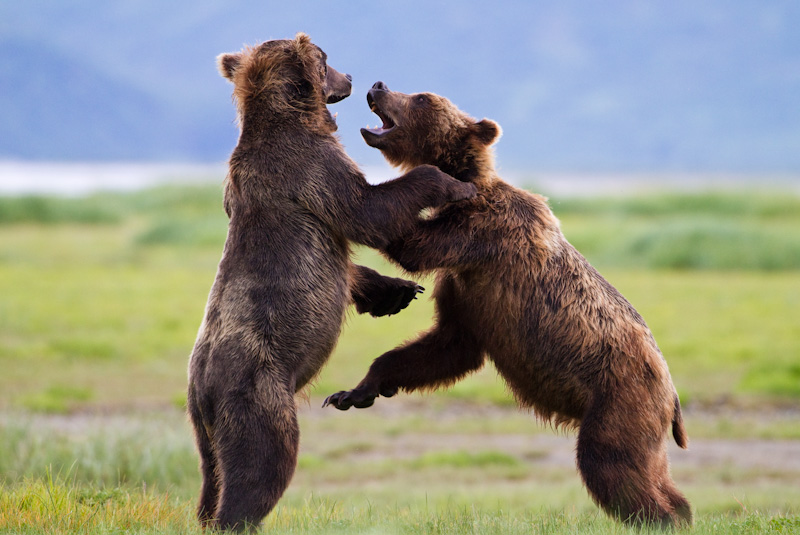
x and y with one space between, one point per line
523 437
407 429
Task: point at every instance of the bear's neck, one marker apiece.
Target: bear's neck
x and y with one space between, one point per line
468 168
259 126
263 124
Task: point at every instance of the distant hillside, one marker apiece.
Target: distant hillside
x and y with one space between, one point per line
57 107
576 86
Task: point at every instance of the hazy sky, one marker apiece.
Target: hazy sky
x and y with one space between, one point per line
575 85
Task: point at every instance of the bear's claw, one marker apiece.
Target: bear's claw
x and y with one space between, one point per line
358 398
397 302
346 399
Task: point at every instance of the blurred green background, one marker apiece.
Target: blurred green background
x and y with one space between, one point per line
101 296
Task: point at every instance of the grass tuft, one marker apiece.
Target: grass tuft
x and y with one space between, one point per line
709 231
706 245
781 379
58 504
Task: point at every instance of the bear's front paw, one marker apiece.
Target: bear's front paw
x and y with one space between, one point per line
460 191
359 397
351 398
396 298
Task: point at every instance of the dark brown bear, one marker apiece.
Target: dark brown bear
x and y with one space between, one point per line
276 308
510 287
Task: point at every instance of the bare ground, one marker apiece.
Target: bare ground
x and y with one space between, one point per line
535 441
384 432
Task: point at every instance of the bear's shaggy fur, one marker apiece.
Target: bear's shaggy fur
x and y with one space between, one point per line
510 287
277 304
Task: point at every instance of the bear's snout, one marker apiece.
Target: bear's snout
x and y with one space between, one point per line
377 88
337 86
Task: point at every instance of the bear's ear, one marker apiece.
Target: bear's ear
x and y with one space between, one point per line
302 39
308 56
305 48
486 131
228 63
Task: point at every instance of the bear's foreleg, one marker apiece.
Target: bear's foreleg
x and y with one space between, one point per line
440 357
384 212
442 242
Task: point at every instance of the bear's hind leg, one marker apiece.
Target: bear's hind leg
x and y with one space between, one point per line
626 472
209 492
257 450
678 502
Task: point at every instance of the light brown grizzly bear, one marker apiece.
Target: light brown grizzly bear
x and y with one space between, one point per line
510 287
276 307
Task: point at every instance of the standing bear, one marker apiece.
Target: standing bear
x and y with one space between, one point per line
276 307
509 286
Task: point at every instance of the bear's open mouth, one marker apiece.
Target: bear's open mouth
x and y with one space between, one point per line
388 124
333 99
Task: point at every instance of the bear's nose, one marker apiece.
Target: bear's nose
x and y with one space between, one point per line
380 85
349 77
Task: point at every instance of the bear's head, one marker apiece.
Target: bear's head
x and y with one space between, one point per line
286 78
425 128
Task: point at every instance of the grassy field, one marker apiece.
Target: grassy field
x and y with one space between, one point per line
101 297
423 471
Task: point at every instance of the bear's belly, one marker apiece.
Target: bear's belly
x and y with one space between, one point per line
305 319
499 316
284 301
548 390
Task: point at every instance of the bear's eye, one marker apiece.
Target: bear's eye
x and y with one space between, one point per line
422 99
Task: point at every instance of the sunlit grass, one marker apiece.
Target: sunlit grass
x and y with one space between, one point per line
57 504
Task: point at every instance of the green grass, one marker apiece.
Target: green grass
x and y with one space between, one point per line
101 298
51 211
56 399
55 506
123 332
105 314
706 231
138 472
